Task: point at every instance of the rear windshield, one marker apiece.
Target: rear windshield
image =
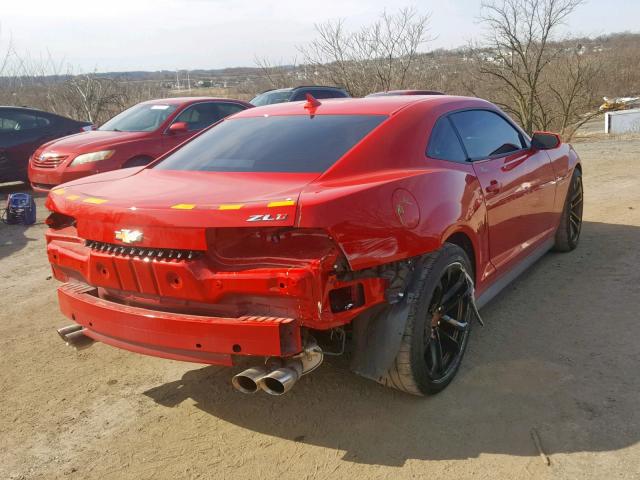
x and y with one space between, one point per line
139 118
269 98
297 143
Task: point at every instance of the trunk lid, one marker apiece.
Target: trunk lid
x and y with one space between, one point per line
173 209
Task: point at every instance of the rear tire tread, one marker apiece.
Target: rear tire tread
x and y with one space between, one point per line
400 375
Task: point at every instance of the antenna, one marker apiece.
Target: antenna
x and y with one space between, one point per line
312 103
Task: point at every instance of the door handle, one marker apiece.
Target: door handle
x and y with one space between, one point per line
493 187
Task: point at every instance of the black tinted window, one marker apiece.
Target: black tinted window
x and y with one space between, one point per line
486 133
444 143
319 94
297 143
200 115
227 109
17 121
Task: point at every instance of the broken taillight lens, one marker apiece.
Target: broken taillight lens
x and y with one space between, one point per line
270 246
58 220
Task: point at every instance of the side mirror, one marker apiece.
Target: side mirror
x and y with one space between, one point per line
178 127
545 140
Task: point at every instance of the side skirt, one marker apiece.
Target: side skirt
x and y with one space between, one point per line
514 273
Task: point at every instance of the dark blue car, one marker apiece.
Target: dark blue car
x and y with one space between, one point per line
22 131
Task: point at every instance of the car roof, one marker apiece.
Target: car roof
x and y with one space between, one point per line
37 110
382 105
405 92
302 87
26 109
187 100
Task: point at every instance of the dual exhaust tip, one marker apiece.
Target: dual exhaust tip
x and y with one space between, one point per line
276 379
275 382
73 336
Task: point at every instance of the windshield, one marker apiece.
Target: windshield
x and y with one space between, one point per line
139 118
269 98
296 143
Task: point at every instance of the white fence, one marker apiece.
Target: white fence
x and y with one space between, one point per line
623 121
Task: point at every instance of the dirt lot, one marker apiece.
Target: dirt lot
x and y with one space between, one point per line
559 354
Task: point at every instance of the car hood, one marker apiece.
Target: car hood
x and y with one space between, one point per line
92 141
171 205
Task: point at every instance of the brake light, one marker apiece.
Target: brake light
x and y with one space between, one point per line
58 220
271 246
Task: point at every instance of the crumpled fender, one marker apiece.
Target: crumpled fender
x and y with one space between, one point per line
377 333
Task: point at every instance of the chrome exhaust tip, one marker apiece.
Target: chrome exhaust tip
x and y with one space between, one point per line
247 381
73 336
280 381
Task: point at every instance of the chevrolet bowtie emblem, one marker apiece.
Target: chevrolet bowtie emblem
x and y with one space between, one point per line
128 236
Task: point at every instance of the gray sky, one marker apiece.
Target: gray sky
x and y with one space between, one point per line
118 35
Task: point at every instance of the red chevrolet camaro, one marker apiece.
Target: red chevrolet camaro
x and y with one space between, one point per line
132 138
373 226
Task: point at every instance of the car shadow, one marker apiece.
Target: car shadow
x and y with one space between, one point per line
558 355
14 238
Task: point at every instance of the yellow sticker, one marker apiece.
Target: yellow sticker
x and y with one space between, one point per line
58 191
184 206
231 206
73 197
283 203
97 201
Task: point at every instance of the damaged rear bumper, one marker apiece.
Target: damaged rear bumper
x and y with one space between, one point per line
192 338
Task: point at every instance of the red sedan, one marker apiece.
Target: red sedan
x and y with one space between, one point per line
377 226
133 138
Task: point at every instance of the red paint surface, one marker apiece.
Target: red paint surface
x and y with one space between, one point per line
285 268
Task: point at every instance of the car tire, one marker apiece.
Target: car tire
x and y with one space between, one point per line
568 233
140 161
414 370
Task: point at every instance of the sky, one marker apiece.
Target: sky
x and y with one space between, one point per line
121 35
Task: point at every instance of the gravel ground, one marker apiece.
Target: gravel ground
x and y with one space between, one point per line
559 355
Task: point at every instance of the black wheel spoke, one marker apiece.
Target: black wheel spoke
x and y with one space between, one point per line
453 293
450 341
447 322
436 354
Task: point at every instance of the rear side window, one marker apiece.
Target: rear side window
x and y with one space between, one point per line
15 121
444 144
486 133
201 115
296 143
226 109
269 98
319 94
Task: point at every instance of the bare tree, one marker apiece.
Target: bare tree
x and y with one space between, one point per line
278 75
92 97
519 48
572 93
377 57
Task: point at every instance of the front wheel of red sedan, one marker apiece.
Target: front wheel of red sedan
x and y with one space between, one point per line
438 326
568 232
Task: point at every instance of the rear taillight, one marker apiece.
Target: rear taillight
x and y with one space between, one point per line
268 246
58 220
